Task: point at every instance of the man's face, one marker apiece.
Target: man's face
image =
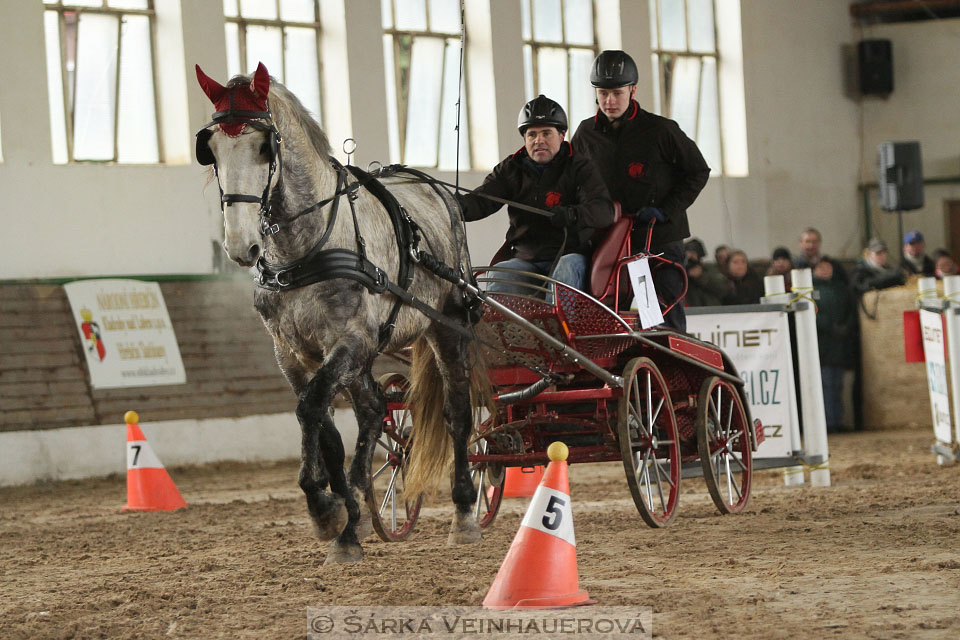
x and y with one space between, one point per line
810 245
915 249
542 143
880 257
614 102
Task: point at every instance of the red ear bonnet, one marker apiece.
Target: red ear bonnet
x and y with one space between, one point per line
241 97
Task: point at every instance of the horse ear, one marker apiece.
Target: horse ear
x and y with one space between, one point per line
261 81
211 87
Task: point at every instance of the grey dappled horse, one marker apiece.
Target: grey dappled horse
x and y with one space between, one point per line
268 150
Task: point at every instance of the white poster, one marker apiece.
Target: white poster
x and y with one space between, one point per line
933 352
758 343
127 336
645 295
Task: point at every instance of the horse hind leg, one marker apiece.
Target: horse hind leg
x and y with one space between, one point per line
370 407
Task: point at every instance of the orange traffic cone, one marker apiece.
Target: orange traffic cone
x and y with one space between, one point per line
522 482
540 570
149 487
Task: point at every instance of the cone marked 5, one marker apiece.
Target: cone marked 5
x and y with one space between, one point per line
540 569
149 486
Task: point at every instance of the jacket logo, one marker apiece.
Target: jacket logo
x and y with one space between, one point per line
636 170
552 199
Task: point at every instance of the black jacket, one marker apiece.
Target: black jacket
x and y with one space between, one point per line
569 180
646 161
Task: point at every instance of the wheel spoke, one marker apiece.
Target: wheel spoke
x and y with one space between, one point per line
729 420
380 470
656 414
656 468
726 465
389 491
739 462
649 405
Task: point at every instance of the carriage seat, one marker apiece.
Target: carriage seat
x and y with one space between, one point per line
610 249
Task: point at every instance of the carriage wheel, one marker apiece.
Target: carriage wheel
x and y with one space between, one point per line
724 445
393 513
488 481
649 442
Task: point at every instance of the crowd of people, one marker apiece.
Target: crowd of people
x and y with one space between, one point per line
729 279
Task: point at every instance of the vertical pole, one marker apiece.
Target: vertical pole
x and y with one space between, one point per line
951 292
811 385
775 292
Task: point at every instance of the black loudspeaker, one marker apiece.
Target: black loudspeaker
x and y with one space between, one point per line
900 176
876 67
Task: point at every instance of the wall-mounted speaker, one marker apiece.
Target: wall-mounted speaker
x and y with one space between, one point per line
900 176
875 59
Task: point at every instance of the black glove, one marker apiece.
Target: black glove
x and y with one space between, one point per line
650 213
563 217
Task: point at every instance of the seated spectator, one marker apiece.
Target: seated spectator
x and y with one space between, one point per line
872 270
744 284
706 286
943 264
915 260
837 338
780 265
722 256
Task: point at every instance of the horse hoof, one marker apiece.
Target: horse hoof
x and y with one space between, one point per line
334 522
341 553
464 530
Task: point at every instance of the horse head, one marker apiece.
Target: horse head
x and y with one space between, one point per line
242 143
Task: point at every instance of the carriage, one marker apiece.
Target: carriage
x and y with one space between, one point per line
572 366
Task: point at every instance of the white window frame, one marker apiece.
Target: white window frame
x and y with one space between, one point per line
64 7
243 22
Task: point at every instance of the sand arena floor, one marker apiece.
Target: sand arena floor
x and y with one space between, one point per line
876 555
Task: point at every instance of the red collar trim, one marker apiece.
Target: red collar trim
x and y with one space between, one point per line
636 109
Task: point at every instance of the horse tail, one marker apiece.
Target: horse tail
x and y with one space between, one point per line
431 449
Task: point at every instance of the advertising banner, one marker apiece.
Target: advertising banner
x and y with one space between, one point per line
758 343
931 325
126 332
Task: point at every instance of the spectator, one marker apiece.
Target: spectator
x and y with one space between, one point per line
722 255
837 338
809 256
915 260
780 265
872 270
745 286
943 264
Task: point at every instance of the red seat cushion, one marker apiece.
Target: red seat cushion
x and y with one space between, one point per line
608 251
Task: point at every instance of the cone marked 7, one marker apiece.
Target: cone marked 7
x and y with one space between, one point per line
149 486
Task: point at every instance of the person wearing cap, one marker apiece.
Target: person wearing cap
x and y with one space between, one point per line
915 260
873 272
650 166
545 174
706 285
780 265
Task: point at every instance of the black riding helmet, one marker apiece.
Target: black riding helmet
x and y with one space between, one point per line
613 68
541 111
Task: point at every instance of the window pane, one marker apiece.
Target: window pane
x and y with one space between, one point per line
137 116
423 107
58 122
578 21
445 16
546 21
303 75
582 96
386 13
264 44
683 97
298 10
85 3
259 8
657 98
672 26
525 19
127 4
701 26
96 87
448 113
230 8
552 74
708 125
393 129
411 15
528 72
233 49
653 24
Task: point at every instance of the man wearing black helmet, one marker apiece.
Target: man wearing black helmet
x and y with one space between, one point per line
650 166
545 174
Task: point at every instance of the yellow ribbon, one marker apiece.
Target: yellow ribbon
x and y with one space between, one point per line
926 293
802 293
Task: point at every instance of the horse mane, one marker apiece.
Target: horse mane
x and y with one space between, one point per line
286 107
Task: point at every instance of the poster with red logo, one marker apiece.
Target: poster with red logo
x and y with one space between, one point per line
127 336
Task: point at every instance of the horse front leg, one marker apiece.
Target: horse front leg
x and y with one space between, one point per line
369 407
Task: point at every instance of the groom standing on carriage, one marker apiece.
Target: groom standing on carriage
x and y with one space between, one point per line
547 175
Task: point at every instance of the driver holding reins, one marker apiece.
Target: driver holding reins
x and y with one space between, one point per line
546 174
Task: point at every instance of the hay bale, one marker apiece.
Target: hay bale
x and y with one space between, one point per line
894 391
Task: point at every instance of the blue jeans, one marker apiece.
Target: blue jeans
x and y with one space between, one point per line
571 270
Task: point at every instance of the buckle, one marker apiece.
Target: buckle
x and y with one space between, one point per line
267 229
280 278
